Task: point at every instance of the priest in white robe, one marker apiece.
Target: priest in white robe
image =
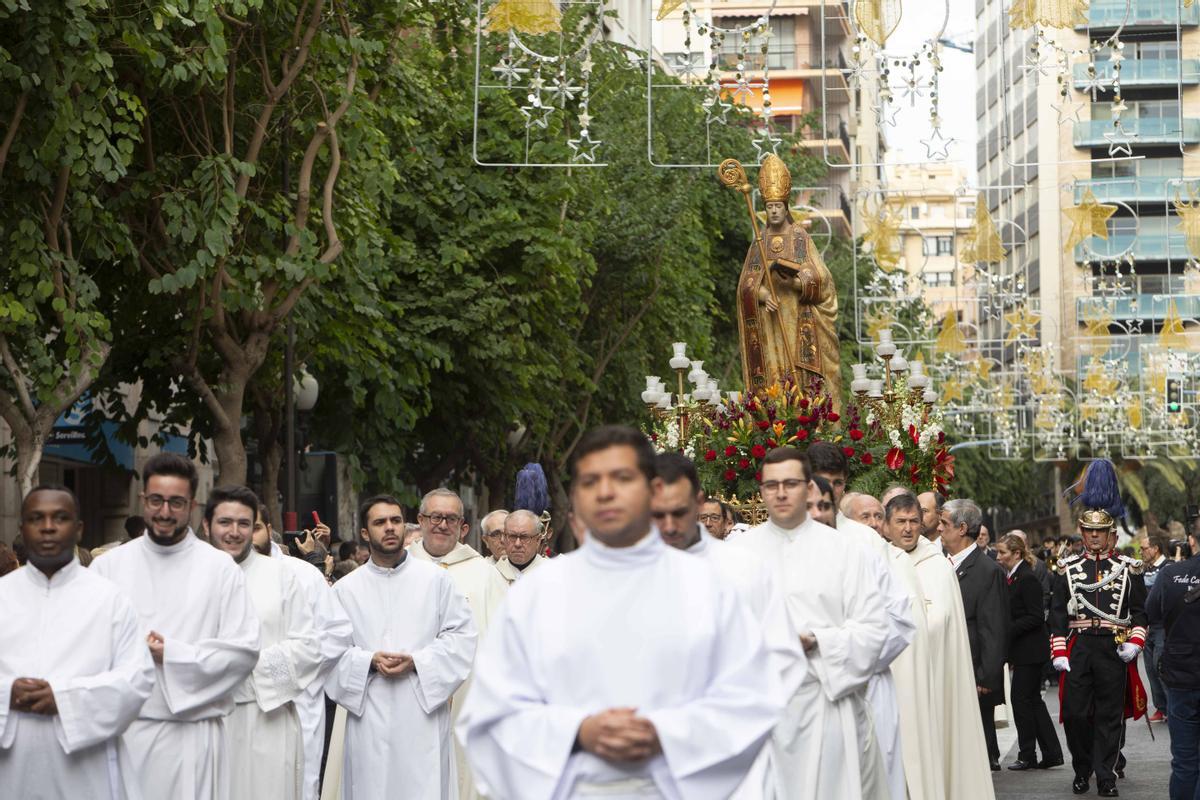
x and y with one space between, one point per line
442 528
523 537
826 745
675 509
955 700
921 737
266 746
625 669
74 668
414 642
491 534
334 635
202 633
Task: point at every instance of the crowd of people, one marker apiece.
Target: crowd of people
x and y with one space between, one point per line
846 646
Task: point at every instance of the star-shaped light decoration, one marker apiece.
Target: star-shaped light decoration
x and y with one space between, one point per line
1096 327
880 318
743 91
587 65
1119 139
1095 82
1189 223
937 146
584 148
1118 108
562 92
882 236
716 110
509 70
1021 322
765 143
537 115
953 389
983 369
1098 380
1067 111
1089 218
1172 336
666 8
585 119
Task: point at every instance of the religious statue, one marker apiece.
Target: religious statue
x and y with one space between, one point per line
787 313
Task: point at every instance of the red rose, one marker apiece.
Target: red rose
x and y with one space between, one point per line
867 459
731 450
833 416
654 437
848 451
763 424
743 463
710 455
804 402
730 475
772 443
758 451
752 406
802 435
758 476
856 434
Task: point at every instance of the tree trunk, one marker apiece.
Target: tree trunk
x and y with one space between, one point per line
268 420
560 508
30 445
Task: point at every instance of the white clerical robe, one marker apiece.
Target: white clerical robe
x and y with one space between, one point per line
266 746
334 634
79 633
485 588
756 586
398 729
511 574
646 627
195 596
881 691
826 746
956 703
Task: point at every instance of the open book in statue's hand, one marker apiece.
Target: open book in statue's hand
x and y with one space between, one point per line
785 268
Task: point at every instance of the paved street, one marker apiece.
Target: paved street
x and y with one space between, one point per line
1146 776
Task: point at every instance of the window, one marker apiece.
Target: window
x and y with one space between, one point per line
938 278
945 246
1157 51
781 45
914 212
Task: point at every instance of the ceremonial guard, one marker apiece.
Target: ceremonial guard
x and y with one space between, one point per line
1098 627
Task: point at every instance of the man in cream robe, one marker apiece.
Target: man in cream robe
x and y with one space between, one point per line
414 641
624 669
74 668
442 527
196 615
955 701
826 745
266 746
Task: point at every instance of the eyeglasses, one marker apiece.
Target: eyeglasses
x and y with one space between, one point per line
490 534
437 519
709 518
790 485
516 537
824 505
155 501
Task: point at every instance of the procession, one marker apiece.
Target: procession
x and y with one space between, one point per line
542 400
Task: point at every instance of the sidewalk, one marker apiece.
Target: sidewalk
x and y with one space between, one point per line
1146 776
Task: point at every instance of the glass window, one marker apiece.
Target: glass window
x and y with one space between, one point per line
945 245
1157 51
1160 167
781 45
914 212
938 278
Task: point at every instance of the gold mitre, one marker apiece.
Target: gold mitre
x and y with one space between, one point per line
1096 519
774 180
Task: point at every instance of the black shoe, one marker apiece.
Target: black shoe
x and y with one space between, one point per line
1120 773
995 766
1080 786
1019 765
1107 790
1048 763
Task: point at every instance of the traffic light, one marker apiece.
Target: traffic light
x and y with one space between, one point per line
1174 395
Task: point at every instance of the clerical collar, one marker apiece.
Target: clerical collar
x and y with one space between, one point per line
525 566
182 546
62 575
645 551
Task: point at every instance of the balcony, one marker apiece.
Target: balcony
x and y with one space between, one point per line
1149 131
832 144
1144 72
1146 246
1145 14
1133 189
1139 306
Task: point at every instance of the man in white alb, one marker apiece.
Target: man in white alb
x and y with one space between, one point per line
826 745
266 744
414 641
201 630
523 533
491 533
625 669
74 669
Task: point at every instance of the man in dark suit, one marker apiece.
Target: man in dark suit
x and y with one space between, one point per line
985 603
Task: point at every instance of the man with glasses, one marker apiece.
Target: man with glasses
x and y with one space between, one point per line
826 745
491 532
716 517
523 533
442 528
202 633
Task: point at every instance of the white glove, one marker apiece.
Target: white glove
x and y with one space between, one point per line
1061 664
1128 651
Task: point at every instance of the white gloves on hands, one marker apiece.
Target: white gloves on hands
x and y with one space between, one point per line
1062 664
1127 651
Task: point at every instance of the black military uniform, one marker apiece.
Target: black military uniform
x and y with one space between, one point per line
1099 603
